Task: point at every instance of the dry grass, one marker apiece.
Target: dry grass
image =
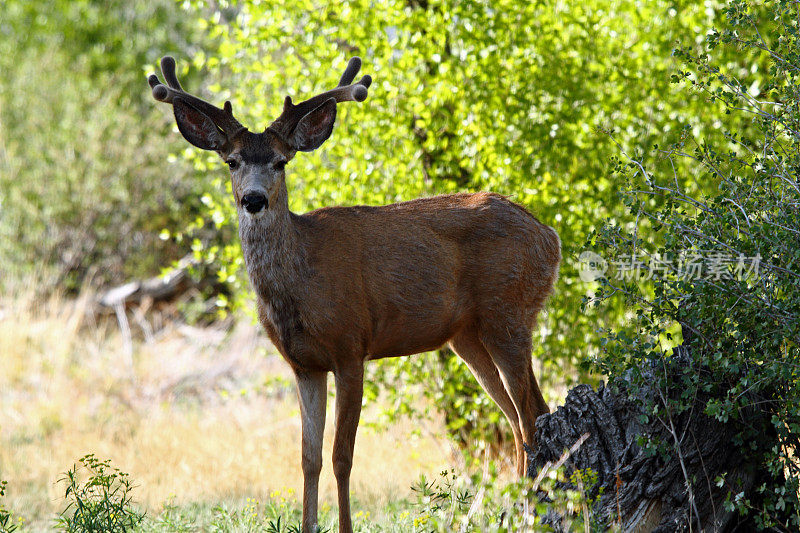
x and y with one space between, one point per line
193 414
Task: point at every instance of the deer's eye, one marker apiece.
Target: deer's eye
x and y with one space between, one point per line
232 163
280 165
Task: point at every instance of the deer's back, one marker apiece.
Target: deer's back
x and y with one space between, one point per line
477 230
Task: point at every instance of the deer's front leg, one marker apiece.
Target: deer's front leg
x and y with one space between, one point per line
349 390
312 393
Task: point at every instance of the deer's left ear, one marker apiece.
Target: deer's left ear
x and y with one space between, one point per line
315 127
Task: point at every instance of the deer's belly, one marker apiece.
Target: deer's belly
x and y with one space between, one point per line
402 349
397 335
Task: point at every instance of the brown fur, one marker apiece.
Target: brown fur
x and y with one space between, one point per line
401 279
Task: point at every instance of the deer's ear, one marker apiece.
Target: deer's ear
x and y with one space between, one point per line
197 128
315 127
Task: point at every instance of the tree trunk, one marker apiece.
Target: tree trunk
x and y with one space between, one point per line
643 491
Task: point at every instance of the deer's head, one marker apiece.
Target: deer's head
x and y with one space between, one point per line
257 160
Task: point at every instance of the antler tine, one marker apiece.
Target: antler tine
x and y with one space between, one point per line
345 91
223 118
353 66
168 70
365 80
349 74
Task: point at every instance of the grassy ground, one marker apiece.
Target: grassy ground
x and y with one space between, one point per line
204 420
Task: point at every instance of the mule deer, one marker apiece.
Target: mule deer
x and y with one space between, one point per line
339 286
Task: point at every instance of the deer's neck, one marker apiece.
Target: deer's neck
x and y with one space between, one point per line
273 253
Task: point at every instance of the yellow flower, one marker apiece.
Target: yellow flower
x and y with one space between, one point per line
421 520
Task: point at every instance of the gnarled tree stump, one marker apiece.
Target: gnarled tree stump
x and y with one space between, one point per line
644 491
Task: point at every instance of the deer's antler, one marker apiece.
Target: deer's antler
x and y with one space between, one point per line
223 118
344 92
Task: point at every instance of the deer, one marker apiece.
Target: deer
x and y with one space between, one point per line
340 286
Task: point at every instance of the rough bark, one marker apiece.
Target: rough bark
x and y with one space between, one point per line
643 491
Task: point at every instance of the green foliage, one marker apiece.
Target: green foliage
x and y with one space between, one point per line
277 515
86 185
448 502
172 518
7 524
98 499
100 503
451 503
507 96
472 419
740 315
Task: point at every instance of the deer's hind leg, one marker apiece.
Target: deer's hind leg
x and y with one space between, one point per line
469 347
510 351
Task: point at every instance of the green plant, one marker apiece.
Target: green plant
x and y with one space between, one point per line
442 494
720 269
7 524
101 502
172 518
452 502
280 513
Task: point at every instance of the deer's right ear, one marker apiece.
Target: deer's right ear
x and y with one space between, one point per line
197 128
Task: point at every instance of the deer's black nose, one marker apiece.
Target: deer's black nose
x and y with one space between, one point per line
254 202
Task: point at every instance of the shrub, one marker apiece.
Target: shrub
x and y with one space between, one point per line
722 273
102 502
86 186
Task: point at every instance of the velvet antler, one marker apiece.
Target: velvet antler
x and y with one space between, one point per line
285 124
222 118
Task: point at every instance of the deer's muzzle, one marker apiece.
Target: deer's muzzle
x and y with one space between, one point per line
254 202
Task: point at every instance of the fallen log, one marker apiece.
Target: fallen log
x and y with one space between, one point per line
165 287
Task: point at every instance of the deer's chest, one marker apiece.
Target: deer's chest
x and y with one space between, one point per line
281 320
